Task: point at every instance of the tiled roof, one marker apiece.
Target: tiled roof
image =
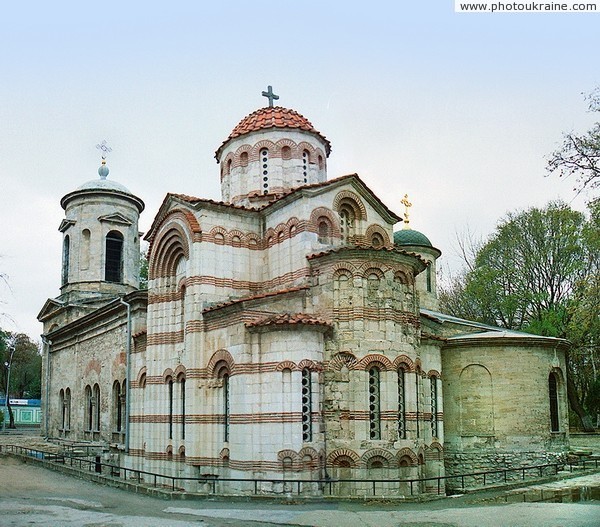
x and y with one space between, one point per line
254 297
275 117
365 246
289 319
194 199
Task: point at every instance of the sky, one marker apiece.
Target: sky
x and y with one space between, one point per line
459 110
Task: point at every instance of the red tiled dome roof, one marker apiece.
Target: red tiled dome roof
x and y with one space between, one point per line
273 117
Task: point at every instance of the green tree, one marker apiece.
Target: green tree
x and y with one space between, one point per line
25 368
538 272
144 269
579 154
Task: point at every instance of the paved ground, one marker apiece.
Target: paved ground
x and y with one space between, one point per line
32 495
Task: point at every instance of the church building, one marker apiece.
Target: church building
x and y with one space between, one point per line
288 332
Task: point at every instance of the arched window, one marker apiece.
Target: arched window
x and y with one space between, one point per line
89 410
320 161
85 249
117 407
61 406
373 284
401 404
306 405
429 278
434 406
324 230
347 221
67 420
264 164
287 463
222 372
96 404
417 401
66 258
305 161
377 240
170 400
244 159
113 265
182 402
377 462
229 165
553 393
286 152
374 404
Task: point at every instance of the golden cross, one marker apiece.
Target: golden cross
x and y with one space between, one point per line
407 205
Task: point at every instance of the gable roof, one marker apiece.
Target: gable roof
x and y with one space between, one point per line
280 201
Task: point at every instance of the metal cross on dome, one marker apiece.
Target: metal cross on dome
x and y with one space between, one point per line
407 205
104 148
270 95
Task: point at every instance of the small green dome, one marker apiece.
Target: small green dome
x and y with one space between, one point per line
411 237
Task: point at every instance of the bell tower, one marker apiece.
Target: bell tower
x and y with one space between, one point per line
101 241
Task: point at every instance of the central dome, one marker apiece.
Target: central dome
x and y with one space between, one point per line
270 152
273 117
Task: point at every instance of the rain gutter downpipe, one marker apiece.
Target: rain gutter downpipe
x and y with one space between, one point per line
128 373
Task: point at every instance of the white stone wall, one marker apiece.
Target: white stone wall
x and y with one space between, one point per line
506 421
87 258
239 181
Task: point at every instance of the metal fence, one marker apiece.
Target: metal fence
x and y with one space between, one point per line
326 486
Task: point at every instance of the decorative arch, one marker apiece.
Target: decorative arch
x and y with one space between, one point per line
374 230
376 453
400 276
286 364
265 143
405 363
310 365
434 373
217 357
218 235
476 400
252 241
180 372
372 360
435 451
226 165
344 269
141 376
321 214
168 375
368 271
224 454
308 451
235 237
302 146
282 454
168 247
241 160
406 455
343 457
342 359
345 197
